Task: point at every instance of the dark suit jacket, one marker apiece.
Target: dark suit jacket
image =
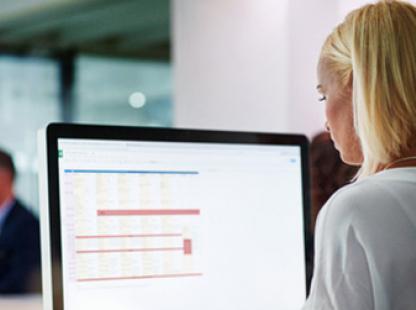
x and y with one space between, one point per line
19 251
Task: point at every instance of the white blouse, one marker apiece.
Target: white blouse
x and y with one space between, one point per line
365 248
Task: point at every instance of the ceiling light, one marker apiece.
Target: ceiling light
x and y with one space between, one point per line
137 100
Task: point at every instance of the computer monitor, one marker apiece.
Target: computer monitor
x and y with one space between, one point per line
172 219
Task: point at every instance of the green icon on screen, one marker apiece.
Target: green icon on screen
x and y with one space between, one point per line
60 153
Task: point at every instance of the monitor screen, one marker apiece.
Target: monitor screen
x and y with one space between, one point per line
173 226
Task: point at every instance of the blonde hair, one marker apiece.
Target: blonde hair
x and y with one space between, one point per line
375 48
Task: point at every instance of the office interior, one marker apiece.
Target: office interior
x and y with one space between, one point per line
246 65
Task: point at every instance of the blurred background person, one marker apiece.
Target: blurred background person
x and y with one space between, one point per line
19 237
328 172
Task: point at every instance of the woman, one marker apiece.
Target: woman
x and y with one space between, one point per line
366 233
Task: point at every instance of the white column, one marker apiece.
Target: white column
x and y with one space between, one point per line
231 64
310 22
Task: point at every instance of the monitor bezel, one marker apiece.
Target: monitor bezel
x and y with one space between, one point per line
57 131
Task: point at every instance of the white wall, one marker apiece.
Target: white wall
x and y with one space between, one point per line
309 22
250 64
230 64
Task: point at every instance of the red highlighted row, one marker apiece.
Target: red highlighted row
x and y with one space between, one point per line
156 276
187 249
147 212
127 236
129 250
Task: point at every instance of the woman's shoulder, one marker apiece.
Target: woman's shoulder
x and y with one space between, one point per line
380 197
353 196
378 187
342 209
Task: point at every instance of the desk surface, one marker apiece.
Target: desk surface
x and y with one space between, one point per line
23 302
